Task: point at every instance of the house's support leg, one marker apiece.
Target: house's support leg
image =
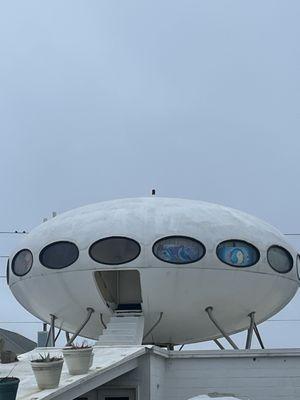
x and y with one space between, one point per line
250 330
219 344
258 336
214 321
90 312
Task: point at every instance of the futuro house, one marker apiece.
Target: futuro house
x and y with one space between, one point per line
168 257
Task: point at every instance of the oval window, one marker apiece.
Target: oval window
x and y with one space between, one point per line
22 262
178 250
114 250
238 253
59 255
280 259
7 272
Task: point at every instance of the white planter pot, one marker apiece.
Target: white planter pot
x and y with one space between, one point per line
47 374
78 361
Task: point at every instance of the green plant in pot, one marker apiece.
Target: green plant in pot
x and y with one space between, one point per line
9 387
47 371
79 358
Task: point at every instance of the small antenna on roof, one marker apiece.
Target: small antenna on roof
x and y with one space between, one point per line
153 192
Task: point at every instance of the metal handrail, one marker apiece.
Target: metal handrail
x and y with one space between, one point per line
154 326
102 321
214 321
90 312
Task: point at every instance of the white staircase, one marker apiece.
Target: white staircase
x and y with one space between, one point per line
124 328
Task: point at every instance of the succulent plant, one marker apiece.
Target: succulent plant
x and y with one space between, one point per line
45 358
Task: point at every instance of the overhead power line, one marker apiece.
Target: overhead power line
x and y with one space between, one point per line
24 232
13 232
20 322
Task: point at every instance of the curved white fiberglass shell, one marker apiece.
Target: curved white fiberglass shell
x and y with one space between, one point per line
181 292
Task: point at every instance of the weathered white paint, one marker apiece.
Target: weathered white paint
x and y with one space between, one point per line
108 364
181 292
156 374
245 374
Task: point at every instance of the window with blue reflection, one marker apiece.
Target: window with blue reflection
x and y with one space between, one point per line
237 253
178 250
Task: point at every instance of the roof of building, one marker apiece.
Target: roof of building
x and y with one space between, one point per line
108 363
112 362
15 342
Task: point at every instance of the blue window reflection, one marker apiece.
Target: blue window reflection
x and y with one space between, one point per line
238 253
178 250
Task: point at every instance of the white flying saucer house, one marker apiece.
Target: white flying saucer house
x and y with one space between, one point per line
191 271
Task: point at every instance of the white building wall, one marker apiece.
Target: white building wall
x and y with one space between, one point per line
138 379
157 381
259 377
249 375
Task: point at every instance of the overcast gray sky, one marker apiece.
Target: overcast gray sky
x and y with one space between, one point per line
106 99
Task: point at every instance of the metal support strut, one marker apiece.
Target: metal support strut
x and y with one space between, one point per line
214 321
51 332
250 330
67 336
219 344
258 336
77 332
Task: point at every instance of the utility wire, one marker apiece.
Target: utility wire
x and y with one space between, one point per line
24 232
13 232
20 322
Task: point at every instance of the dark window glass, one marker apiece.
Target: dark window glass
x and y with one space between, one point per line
116 398
114 250
22 262
178 250
238 253
7 272
280 259
59 255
